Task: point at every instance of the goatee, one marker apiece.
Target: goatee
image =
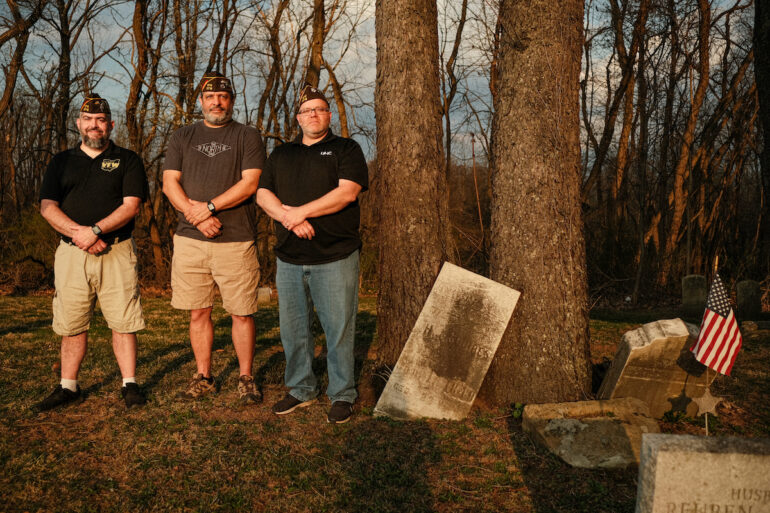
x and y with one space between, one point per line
98 143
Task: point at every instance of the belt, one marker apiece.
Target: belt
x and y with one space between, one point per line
112 240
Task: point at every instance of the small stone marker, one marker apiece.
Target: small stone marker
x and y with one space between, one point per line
749 299
591 434
263 295
450 347
694 290
654 364
696 474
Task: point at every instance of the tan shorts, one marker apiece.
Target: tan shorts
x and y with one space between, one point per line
81 277
198 265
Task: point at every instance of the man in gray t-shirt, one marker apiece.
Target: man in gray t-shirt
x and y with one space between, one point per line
210 175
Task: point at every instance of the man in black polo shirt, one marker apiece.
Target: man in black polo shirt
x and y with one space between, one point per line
90 195
311 186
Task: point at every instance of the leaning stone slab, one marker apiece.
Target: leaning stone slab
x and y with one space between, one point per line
591 434
448 352
695 474
654 363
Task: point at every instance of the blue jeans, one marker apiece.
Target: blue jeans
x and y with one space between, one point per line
333 289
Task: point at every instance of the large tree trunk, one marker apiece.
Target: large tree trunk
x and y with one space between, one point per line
413 208
537 239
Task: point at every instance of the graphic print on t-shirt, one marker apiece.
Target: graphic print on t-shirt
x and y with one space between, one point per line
212 148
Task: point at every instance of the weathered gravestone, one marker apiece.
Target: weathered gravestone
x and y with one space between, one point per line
654 363
695 474
694 290
749 299
591 434
448 352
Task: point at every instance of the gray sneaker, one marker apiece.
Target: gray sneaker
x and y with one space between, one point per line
248 393
199 387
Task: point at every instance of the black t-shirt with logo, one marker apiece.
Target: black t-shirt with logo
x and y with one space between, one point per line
298 174
89 189
211 161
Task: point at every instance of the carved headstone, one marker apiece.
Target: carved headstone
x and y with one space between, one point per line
449 350
694 291
685 473
654 363
749 299
591 434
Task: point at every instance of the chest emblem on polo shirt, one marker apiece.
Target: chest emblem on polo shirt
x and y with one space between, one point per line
212 148
327 153
110 165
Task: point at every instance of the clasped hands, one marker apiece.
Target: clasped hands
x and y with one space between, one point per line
85 238
295 220
199 215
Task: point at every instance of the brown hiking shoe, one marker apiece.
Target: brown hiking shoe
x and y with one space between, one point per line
248 393
199 387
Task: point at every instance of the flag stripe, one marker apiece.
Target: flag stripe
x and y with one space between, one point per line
727 340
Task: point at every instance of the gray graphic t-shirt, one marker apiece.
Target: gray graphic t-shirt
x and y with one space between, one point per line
211 161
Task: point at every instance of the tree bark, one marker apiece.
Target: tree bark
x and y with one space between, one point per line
537 240
762 74
413 209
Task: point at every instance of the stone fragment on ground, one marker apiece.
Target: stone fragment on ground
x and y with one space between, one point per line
591 434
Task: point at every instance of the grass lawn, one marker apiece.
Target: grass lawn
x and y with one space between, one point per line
215 455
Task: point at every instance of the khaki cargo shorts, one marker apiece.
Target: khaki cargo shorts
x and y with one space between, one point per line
80 278
199 265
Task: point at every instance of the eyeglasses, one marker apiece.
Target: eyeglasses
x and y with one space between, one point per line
317 110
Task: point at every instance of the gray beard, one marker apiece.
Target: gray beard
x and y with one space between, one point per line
221 119
96 144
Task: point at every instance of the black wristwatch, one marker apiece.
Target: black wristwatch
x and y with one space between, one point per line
211 206
95 228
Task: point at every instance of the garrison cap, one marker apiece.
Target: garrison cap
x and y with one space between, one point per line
214 81
95 104
310 93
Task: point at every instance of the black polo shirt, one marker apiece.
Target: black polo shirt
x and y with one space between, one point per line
88 190
298 174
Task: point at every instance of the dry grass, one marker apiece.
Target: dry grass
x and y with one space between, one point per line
215 455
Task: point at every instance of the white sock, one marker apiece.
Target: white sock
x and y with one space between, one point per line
132 379
70 384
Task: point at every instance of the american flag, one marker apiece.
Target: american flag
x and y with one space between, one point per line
720 339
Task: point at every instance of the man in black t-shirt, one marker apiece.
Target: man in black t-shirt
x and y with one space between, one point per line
210 175
90 195
311 187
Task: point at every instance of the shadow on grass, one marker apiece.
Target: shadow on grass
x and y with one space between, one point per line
383 466
27 327
554 485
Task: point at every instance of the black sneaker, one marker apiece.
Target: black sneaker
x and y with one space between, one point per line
132 395
59 397
290 403
340 412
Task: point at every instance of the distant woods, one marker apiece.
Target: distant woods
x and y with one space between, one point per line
669 105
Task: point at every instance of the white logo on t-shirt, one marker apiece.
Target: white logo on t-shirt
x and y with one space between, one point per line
212 149
326 153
